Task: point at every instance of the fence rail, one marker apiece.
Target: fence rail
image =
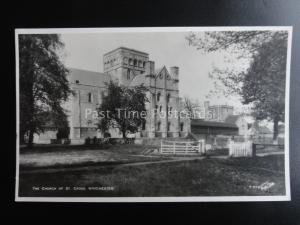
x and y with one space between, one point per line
176 147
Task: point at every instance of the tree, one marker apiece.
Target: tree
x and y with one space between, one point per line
191 107
262 83
43 84
123 108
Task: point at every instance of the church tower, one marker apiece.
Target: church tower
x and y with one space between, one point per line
123 64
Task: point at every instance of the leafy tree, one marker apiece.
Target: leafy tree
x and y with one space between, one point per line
123 108
43 84
262 83
191 107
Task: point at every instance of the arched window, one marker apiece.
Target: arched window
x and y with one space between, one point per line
125 60
128 74
130 62
158 96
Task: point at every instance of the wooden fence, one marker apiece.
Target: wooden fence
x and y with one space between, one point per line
241 149
176 147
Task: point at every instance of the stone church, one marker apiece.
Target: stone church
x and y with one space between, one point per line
127 67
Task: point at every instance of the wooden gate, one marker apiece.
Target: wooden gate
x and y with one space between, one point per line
240 149
176 147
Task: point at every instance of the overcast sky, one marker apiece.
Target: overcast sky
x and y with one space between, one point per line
85 51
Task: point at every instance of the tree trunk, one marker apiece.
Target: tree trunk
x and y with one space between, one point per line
22 137
30 139
275 131
124 134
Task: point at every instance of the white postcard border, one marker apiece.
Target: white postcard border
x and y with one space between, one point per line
286 197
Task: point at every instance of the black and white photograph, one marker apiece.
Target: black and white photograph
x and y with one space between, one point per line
161 114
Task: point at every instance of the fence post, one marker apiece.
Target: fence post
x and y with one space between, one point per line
230 145
161 146
174 150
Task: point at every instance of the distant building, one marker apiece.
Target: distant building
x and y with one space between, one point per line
261 131
217 113
281 130
202 127
244 123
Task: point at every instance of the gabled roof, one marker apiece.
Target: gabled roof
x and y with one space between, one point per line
264 130
158 70
231 119
142 78
204 123
86 77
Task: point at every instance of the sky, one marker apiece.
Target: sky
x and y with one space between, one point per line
85 51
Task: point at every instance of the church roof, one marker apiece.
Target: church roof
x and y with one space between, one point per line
232 119
128 49
138 80
158 70
204 123
86 77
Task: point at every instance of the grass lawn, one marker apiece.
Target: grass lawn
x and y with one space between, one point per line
48 157
206 177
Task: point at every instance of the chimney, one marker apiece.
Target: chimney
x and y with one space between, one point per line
174 70
150 67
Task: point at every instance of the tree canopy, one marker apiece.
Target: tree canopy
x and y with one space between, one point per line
123 108
43 83
262 84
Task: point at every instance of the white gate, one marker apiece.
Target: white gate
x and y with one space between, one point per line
243 149
176 147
